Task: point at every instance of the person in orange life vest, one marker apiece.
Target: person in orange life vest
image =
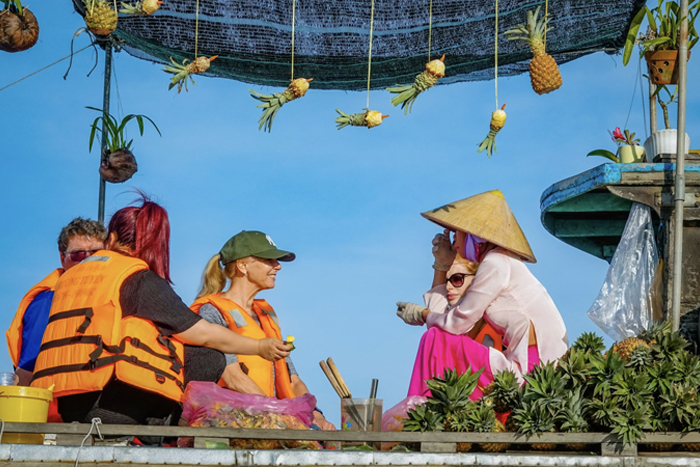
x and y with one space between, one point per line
121 303
77 240
250 261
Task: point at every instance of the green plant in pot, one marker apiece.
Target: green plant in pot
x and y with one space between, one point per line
19 29
118 162
660 44
628 148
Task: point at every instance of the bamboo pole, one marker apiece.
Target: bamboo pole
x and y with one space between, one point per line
105 112
680 167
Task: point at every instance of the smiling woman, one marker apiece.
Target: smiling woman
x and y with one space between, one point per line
250 260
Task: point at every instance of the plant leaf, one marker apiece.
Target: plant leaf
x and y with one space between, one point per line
604 153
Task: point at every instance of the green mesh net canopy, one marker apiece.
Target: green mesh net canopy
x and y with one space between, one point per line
253 37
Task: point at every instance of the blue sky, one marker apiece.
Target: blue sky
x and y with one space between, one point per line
346 202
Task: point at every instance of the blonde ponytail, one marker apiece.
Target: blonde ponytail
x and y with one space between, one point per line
213 279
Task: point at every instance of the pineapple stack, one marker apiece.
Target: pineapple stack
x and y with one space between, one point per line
544 72
642 384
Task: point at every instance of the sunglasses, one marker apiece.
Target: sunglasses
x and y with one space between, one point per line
78 255
457 279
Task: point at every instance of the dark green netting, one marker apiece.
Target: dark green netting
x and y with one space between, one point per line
253 37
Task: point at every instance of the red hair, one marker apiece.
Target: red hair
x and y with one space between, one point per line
145 230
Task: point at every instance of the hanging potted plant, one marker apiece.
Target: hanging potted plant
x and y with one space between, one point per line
660 44
118 162
19 29
662 146
628 148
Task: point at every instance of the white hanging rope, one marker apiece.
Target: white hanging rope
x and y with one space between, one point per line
96 422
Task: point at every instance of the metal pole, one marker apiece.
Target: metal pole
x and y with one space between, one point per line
680 167
105 112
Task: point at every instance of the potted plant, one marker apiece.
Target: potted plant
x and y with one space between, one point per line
628 149
19 29
662 145
660 44
118 162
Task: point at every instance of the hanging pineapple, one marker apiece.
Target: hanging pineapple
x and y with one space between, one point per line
19 29
498 121
544 72
272 103
407 95
186 70
100 17
368 118
142 8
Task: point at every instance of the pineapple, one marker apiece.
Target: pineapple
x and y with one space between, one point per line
482 419
100 18
421 418
142 8
544 72
534 418
575 369
625 347
186 70
544 383
590 343
504 391
450 393
272 103
368 118
407 95
498 121
459 423
572 415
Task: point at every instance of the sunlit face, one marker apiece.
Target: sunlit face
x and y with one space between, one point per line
262 272
454 293
76 245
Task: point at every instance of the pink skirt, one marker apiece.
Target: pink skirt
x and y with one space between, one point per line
440 350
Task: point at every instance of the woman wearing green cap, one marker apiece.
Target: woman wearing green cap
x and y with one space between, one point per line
250 261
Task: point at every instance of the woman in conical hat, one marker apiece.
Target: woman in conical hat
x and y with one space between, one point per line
504 293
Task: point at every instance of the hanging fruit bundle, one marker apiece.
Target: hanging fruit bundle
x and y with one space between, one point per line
368 118
544 72
186 70
118 162
498 121
271 103
19 29
141 8
100 17
407 95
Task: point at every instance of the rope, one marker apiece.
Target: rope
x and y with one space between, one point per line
369 62
495 73
430 28
294 6
546 20
96 422
92 42
196 30
644 107
47 66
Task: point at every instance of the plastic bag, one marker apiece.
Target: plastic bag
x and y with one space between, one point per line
624 305
209 405
392 420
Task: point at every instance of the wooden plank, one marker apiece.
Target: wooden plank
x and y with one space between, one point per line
438 447
593 202
588 228
205 442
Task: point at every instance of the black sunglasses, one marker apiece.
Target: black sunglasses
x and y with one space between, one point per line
457 279
78 255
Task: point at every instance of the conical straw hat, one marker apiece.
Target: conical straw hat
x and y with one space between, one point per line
488 216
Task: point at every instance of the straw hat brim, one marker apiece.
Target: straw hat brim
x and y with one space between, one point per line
486 215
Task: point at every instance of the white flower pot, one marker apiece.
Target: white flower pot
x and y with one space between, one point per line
664 142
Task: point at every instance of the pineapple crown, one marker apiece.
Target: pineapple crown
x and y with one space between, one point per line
534 418
421 418
572 413
589 342
532 31
544 382
451 392
575 369
481 419
680 406
506 389
630 425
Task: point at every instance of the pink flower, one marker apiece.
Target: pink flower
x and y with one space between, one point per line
618 137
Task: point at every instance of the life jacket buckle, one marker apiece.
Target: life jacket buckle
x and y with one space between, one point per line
136 342
133 359
160 378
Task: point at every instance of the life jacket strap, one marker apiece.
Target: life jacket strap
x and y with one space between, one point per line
87 312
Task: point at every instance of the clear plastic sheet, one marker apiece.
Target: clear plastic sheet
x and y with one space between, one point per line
624 305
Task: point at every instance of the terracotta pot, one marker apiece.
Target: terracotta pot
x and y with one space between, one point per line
662 66
119 166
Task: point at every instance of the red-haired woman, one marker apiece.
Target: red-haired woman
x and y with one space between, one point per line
114 344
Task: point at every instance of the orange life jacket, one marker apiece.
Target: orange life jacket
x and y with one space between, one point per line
489 331
88 341
240 322
14 334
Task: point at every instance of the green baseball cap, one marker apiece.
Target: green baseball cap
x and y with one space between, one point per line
252 243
